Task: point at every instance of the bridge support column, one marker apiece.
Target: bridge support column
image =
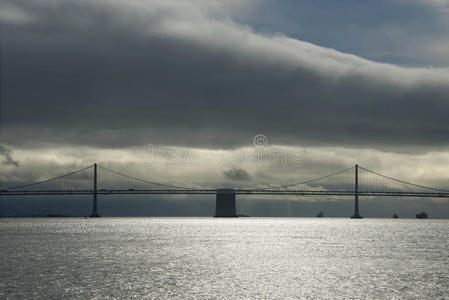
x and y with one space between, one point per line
225 203
94 204
356 195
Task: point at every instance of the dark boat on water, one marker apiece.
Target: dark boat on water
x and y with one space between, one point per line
421 215
320 215
395 216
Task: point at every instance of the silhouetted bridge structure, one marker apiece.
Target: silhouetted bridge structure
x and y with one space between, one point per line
97 180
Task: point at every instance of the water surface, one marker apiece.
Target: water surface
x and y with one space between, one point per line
223 258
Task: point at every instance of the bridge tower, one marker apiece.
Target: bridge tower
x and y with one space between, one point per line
94 193
356 195
225 203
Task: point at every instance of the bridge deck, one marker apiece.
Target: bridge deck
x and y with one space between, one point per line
214 191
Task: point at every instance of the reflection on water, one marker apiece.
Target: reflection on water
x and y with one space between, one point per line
223 258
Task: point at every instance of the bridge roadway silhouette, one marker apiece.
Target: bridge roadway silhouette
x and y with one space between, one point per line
97 180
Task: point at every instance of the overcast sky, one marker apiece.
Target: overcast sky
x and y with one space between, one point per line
176 91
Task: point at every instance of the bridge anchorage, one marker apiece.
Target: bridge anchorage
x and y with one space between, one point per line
225 203
97 180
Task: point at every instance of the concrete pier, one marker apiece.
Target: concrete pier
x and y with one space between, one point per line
225 203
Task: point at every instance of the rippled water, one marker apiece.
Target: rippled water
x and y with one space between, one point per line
223 258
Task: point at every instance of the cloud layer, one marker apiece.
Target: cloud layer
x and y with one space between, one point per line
116 73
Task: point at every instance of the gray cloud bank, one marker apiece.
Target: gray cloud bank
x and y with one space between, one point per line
237 174
113 73
7 158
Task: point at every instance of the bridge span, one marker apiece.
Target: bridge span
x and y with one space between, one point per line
97 180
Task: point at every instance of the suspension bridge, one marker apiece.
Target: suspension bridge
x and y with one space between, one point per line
97 180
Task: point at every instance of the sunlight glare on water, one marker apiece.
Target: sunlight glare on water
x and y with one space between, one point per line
223 258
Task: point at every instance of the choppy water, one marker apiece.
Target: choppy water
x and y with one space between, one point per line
223 258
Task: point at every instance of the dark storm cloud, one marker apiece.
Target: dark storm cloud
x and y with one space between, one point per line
127 73
237 174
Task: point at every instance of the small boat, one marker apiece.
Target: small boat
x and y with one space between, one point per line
421 215
395 216
320 215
